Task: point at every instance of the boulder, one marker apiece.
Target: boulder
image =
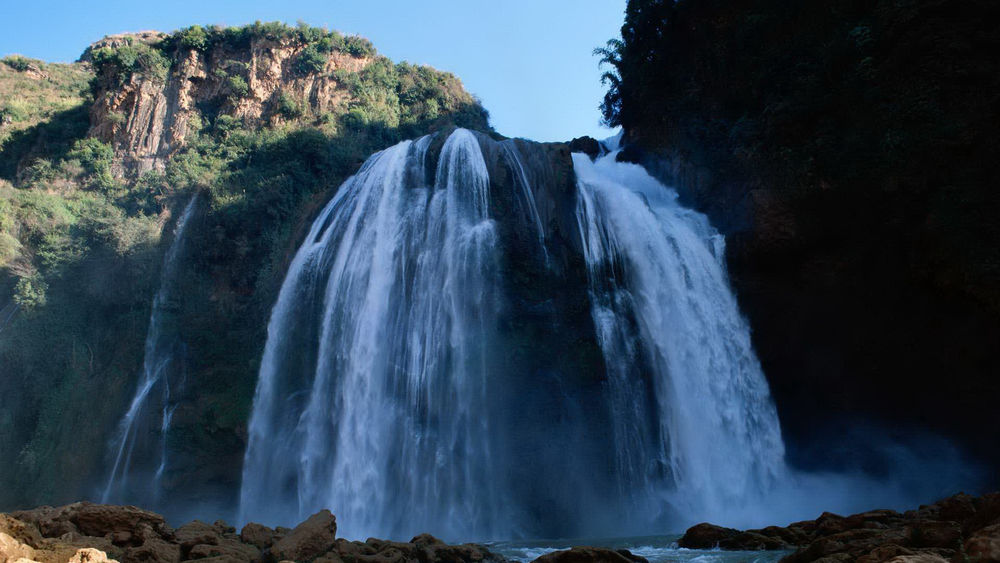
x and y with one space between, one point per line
257 535
12 549
705 536
464 553
154 550
195 533
591 555
709 536
935 533
102 519
310 539
984 545
230 550
587 145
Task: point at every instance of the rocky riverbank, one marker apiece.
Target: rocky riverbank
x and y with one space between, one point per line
97 533
961 528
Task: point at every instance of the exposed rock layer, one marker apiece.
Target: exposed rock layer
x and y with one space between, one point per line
147 119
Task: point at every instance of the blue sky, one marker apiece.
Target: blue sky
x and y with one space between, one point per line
529 61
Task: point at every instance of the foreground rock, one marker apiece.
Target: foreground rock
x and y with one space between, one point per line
961 528
95 533
591 555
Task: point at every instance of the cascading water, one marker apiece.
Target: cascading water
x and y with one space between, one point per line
7 313
373 388
139 450
402 386
693 420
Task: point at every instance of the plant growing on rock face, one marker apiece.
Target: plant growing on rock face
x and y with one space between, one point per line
311 60
289 107
238 87
29 292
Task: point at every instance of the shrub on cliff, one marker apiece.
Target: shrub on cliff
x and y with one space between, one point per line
312 59
132 58
17 62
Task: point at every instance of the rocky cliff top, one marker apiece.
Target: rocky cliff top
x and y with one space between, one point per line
154 91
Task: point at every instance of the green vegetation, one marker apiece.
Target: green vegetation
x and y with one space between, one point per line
131 58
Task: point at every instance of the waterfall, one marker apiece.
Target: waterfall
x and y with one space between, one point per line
428 364
139 449
693 421
7 314
373 387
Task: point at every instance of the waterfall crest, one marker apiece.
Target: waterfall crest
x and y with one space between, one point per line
139 449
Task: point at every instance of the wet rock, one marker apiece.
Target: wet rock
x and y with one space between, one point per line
464 553
705 536
709 536
308 540
591 555
587 145
630 153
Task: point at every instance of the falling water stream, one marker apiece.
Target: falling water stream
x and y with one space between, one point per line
139 449
676 348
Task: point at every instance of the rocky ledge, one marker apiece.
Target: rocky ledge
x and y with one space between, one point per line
961 528
100 533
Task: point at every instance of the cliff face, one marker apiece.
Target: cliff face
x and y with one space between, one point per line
148 119
844 149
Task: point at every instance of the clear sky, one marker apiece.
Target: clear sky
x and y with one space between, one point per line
529 61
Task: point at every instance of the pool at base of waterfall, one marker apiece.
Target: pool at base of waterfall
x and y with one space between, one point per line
657 549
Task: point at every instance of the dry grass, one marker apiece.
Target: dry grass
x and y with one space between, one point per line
39 91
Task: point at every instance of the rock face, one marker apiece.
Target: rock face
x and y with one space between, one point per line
958 528
146 119
93 533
